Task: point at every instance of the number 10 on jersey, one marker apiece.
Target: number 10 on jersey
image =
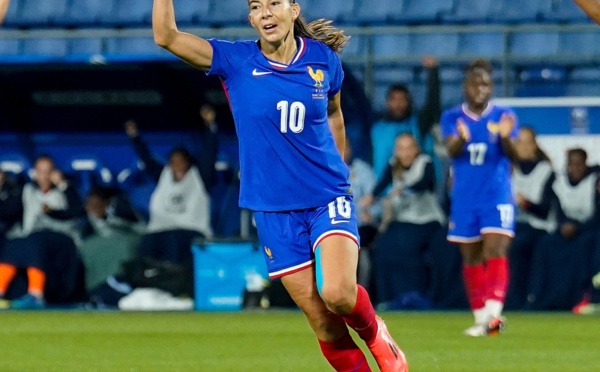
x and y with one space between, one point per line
292 116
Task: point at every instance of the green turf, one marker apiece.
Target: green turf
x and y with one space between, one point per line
281 341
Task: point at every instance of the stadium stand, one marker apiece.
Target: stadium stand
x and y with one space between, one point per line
488 45
128 13
86 13
564 11
515 11
473 11
40 13
336 10
423 11
386 10
535 44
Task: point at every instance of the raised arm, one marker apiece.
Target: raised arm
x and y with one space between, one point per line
336 122
591 8
3 9
190 48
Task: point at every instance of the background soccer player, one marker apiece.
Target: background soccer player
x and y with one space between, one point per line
591 8
284 92
479 140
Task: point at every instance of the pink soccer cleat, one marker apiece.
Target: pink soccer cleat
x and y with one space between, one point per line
386 352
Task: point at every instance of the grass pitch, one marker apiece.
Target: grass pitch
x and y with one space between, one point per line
281 341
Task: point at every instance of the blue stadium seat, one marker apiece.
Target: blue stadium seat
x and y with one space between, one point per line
439 45
228 12
521 11
45 47
423 11
585 74
447 75
192 12
134 46
138 186
9 47
367 13
357 46
580 44
87 171
390 45
390 76
16 165
378 100
542 82
87 12
129 13
40 12
335 10
476 11
584 82
564 11
487 45
87 46
535 44
452 94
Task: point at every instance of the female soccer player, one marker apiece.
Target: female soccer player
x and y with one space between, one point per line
284 92
479 140
591 8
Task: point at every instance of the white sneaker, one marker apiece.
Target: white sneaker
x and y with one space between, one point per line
491 328
476 330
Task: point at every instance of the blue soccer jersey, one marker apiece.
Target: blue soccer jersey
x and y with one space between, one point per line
288 157
482 169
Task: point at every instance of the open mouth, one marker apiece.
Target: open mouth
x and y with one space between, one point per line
269 28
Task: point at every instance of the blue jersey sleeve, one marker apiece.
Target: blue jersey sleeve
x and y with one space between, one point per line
227 57
336 74
448 123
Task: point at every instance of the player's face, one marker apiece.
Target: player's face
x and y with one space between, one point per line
525 145
576 167
397 104
406 150
273 19
179 165
478 88
43 169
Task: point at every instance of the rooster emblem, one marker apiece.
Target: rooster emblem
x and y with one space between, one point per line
494 128
269 253
318 76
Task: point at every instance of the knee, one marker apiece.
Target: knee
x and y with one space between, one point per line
339 298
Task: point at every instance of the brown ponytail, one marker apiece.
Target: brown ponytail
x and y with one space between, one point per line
323 31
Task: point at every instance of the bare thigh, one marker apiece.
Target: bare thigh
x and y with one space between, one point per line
302 288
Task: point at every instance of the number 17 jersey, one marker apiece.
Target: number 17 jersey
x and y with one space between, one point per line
288 157
482 169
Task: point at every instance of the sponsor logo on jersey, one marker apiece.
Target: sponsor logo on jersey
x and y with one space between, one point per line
255 72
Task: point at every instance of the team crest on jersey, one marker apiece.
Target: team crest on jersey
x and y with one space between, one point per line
494 129
318 76
269 253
